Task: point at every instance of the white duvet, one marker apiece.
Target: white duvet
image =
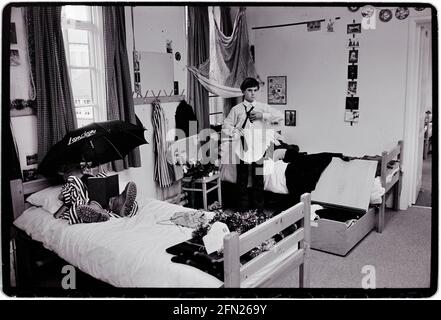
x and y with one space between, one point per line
128 252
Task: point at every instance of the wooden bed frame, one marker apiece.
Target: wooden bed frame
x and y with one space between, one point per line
394 185
291 252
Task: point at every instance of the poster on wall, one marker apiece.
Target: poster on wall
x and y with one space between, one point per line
277 90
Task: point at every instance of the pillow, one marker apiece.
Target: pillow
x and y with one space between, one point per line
47 199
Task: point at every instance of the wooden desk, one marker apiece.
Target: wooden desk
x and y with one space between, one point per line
206 185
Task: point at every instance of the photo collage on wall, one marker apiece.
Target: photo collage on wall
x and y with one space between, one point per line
352 101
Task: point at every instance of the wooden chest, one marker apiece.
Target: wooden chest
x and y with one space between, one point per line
344 186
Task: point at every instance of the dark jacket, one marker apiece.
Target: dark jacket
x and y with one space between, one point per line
184 114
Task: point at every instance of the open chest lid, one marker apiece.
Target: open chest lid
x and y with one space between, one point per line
346 184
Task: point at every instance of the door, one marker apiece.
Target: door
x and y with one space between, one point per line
424 97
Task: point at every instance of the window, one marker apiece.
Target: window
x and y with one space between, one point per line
83 41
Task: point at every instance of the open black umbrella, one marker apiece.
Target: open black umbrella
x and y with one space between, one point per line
98 143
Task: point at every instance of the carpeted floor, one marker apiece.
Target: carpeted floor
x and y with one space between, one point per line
425 196
400 256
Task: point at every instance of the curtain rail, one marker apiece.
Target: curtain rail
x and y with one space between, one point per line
291 24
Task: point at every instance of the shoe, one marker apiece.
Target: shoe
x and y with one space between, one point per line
123 204
92 212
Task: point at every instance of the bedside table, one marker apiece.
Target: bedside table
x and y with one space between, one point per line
204 185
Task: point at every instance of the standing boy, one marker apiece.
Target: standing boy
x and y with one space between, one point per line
247 121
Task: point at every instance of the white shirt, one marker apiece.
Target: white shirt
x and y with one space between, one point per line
258 134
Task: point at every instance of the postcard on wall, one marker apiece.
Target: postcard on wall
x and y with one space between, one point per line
352 72
13 34
352 115
354 28
352 103
277 90
353 56
353 42
352 87
290 118
313 25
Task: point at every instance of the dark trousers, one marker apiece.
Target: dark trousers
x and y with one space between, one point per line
256 171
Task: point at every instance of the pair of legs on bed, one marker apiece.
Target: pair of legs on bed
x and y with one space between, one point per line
121 205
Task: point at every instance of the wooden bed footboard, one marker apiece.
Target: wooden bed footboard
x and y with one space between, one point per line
291 252
394 184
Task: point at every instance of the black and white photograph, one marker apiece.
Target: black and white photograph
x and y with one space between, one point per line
352 103
313 25
30 174
290 118
353 42
15 57
32 159
179 169
352 72
353 56
13 34
352 116
352 87
354 28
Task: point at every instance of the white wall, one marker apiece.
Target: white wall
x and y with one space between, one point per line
315 64
153 27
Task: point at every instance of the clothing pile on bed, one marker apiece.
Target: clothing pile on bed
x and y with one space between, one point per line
193 252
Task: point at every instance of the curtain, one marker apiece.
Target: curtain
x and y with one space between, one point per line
198 52
226 27
118 83
55 106
231 63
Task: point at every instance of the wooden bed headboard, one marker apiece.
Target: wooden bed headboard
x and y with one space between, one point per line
20 190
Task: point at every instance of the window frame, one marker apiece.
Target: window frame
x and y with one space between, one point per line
96 58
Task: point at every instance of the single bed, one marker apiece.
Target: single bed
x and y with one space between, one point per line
131 252
387 179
